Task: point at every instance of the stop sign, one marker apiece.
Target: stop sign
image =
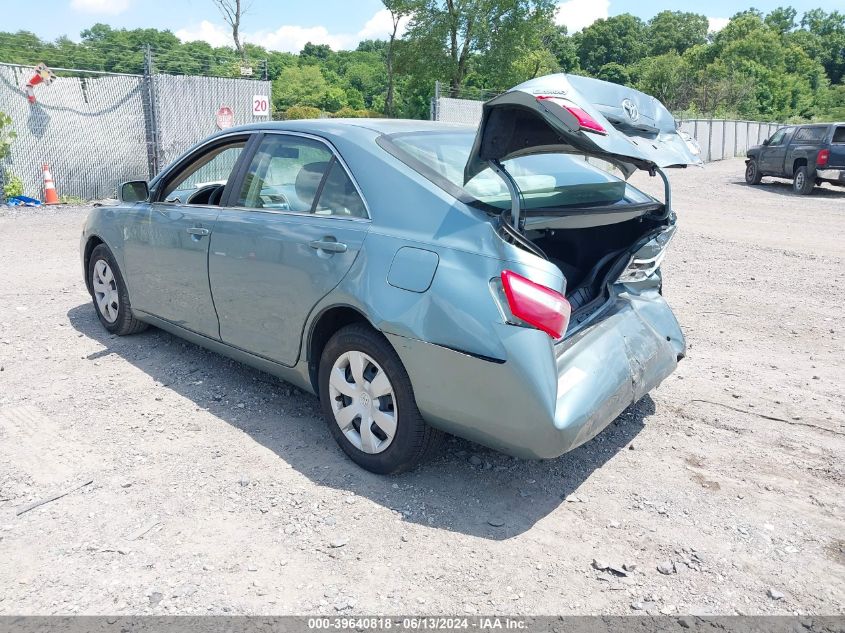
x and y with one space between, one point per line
225 117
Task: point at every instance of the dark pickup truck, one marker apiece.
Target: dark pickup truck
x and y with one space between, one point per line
808 154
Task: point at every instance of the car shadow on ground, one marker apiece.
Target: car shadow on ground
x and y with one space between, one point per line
467 488
784 188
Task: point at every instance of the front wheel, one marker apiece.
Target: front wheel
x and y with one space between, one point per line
803 184
752 173
369 404
108 290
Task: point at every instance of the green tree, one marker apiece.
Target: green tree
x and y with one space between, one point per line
676 31
829 28
299 85
446 39
560 44
782 20
614 73
619 39
666 77
399 10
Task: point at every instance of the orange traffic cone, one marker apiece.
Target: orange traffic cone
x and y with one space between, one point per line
42 75
50 195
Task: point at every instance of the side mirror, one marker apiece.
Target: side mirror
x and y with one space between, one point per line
766 142
134 191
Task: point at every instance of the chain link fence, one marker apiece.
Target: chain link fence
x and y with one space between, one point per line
91 131
719 138
186 107
96 130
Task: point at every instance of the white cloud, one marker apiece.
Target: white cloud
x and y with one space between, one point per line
717 24
578 14
107 7
380 26
214 34
291 38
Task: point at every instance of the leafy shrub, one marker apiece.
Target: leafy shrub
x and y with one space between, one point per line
351 113
12 186
6 134
302 112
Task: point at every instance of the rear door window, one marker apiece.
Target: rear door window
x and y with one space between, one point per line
811 134
839 134
299 174
284 174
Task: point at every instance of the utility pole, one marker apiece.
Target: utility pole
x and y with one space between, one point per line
150 118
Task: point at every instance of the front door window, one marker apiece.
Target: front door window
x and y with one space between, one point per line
202 181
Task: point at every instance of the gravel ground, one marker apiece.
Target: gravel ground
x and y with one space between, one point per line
218 489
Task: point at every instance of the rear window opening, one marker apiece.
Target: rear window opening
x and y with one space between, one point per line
547 182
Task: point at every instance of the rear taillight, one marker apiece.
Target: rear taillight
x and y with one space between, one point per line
536 305
645 262
822 157
585 121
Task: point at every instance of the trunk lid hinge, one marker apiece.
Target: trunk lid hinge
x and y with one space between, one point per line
513 190
667 190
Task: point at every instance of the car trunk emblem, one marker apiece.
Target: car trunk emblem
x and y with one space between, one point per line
631 110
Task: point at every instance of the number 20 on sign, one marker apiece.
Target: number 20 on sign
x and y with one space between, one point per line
260 105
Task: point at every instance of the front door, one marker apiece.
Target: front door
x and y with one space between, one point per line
773 155
295 225
167 255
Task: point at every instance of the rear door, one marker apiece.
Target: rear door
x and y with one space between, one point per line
572 114
837 148
294 225
167 252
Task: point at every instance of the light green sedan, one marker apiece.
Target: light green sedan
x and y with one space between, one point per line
419 277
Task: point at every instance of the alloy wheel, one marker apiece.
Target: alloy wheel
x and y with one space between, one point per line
105 290
799 180
363 402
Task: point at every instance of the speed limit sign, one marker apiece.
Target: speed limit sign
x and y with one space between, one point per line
260 105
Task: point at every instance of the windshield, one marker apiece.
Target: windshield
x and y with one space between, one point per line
547 181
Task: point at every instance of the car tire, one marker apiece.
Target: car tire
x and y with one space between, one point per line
752 173
384 397
108 291
802 183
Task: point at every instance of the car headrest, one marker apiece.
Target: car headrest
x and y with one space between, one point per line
308 180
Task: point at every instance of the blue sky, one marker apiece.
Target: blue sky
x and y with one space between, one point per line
288 24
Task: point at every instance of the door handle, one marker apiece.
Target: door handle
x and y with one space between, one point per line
329 245
196 230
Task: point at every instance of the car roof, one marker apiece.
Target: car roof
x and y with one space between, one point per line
379 126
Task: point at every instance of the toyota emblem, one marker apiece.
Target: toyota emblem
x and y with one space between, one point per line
631 109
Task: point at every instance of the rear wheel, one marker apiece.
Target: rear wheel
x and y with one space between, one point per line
802 184
108 290
752 173
369 405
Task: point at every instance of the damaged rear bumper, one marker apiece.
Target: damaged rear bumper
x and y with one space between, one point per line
542 401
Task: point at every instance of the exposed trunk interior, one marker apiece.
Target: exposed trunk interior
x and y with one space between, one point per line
586 256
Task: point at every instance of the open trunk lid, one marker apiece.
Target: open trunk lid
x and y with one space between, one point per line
571 114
